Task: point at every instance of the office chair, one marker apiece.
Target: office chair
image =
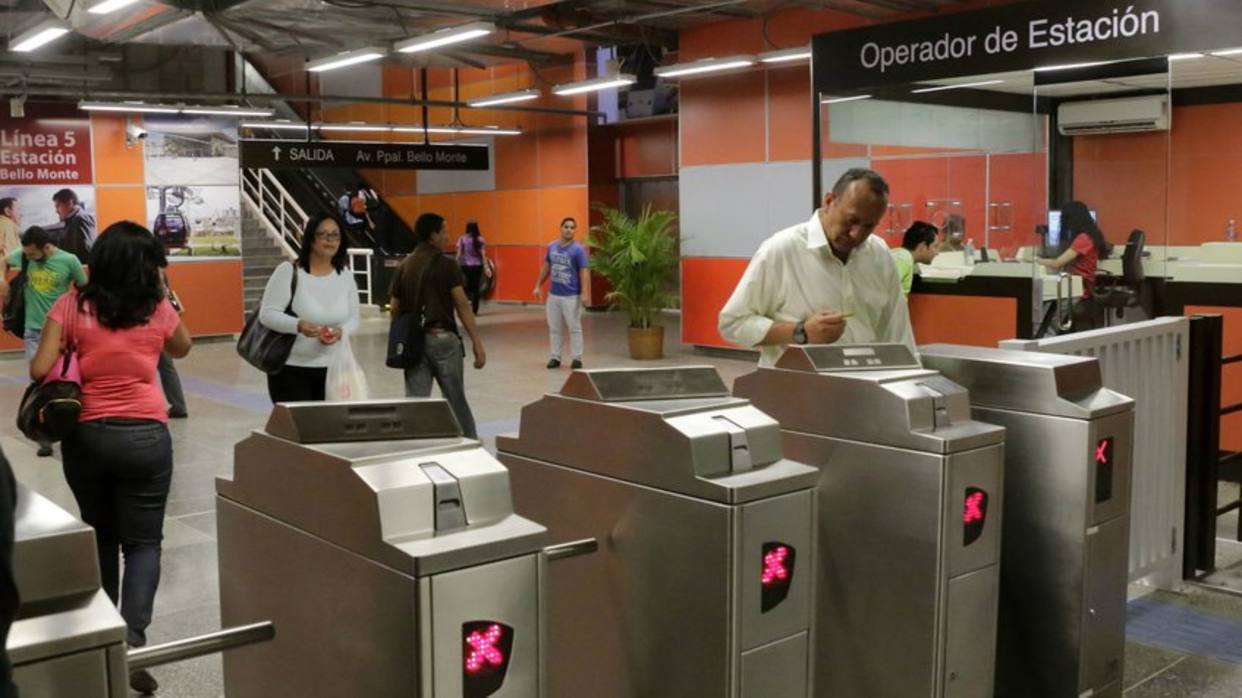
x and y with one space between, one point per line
1118 297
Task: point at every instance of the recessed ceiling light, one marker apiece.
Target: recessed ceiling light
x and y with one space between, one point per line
39 35
103 8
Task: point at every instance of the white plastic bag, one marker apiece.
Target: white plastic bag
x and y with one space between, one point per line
346 381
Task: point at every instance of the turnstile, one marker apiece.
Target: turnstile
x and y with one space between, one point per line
701 586
1066 544
69 639
909 502
384 547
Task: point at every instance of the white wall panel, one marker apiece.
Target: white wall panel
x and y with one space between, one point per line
446 181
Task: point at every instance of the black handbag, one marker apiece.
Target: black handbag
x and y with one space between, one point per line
405 334
50 408
265 348
15 304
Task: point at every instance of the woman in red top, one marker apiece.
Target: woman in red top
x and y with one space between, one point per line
1087 245
118 461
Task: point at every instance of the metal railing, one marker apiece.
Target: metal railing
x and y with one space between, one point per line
191 647
361 265
281 215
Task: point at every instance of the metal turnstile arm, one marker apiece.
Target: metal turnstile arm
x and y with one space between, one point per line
573 548
191 647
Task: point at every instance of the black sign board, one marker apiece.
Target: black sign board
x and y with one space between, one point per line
1020 37
368 156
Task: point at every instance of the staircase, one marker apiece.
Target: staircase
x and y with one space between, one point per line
260 257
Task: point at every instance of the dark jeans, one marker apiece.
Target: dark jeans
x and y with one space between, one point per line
120 471
442 360
171 383
297 384
474 276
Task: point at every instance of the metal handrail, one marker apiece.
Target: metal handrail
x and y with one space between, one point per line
366 293
278 210
191 647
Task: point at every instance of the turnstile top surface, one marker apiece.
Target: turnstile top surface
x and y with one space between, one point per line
675 429
420 505
56 568
869 393
1053 384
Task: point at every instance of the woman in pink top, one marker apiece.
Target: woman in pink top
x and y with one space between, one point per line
118 461
1086 248
472 256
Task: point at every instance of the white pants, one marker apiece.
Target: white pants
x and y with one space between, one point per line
568 311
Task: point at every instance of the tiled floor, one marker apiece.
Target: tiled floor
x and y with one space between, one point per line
228 398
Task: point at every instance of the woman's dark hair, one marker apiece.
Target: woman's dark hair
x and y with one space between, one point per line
472 229
427 225
125 283
308 241
1076 218
919 233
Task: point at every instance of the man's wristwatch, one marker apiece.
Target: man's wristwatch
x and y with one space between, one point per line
799 332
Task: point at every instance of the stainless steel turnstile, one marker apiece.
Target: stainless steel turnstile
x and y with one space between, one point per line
384 547
909 502
69 641
1067 516
701 586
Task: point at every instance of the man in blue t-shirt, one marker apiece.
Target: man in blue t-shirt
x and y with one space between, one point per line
566 262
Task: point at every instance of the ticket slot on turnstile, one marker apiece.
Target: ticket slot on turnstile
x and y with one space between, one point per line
374 420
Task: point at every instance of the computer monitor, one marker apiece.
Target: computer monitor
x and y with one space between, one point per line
1052 239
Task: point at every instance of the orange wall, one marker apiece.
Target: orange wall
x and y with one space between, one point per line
937 318
1231 375
541 175
1188 177
211 292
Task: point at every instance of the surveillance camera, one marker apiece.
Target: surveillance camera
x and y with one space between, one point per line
134 132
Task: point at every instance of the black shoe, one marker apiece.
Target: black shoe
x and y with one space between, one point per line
554 363
177 414
45 450
577 363
143 682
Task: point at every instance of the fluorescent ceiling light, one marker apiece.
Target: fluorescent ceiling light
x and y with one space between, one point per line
40 34
710 65
240 112
838 100
1229 52
276 125
144 108
460 130
505 98
786 55
345 58
594 84
444 37
360 128
129 107
1068 66
941 88
1185 56
103 8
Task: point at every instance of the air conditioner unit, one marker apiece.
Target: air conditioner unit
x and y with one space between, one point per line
1130 115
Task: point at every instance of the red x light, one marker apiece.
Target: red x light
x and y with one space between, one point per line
774 569
486 649
973 511
776 574
974 514
1104 469
1101 451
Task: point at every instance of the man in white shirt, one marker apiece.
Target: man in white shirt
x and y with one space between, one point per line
823 281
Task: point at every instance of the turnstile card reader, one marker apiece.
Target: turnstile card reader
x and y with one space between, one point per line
69 639
384 547
1067 516
702 582
909 510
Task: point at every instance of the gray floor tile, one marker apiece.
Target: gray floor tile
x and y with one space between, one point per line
1193 677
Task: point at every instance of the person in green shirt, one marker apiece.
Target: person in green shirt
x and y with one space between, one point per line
919 245
49 271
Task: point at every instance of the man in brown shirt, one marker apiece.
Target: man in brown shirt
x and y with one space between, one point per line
432 281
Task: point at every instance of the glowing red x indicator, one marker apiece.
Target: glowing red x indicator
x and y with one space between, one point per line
974 507
1101 452
483 650
774 569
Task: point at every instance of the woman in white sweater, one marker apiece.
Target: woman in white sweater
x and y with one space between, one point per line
325 308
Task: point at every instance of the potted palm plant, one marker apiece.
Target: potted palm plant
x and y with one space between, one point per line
638 257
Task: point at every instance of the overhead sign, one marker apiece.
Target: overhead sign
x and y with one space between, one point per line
367 156
1020 37
45 151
